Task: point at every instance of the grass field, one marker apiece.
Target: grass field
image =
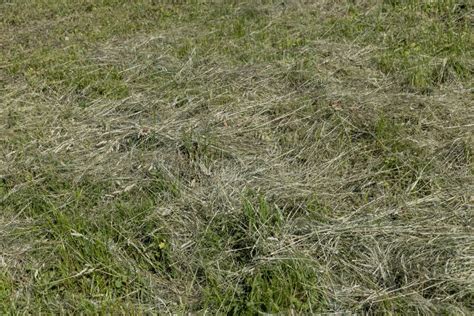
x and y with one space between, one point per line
236 157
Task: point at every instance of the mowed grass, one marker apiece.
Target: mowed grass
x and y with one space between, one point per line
236 157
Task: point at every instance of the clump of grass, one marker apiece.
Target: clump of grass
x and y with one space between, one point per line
282 286
238 158
69 71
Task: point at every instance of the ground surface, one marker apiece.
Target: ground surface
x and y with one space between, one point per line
237 158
